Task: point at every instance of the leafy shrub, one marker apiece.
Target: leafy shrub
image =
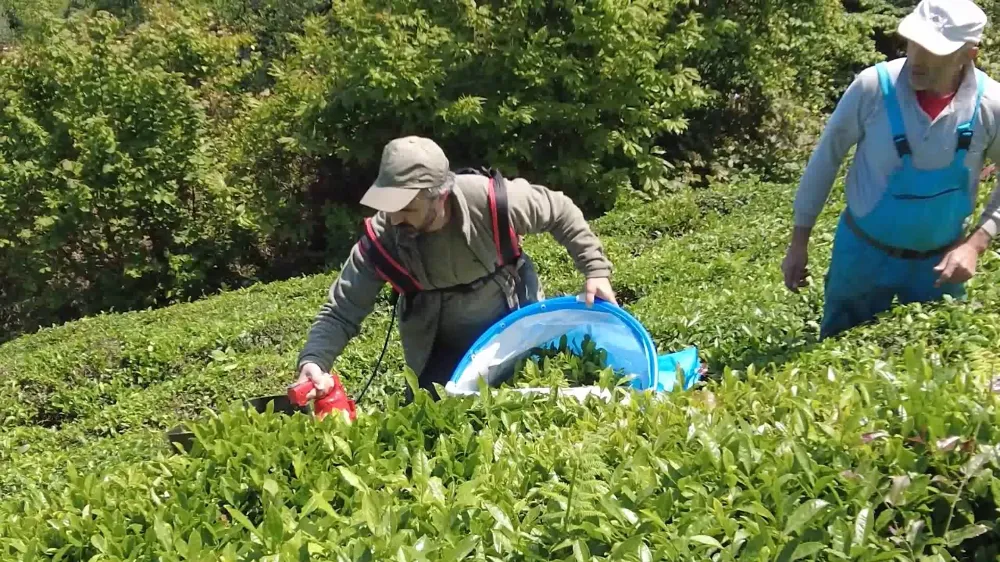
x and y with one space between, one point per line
885 16
774 69
270 21
571 96
593 100
9 23
23 19
882 425
772 465
114 192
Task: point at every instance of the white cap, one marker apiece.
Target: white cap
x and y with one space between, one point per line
944 26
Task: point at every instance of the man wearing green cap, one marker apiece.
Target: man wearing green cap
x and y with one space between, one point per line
438 238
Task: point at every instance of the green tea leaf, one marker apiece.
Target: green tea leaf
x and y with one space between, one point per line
706 540
97 540
194 542
804 514
862 524
271 487
632 546
501 518
757 509
807 549
370 512
644 554
463 548
316 501
897 492
163 534
958 536
352 478
241 519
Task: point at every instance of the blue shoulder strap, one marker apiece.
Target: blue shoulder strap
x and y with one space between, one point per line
965 129
892 107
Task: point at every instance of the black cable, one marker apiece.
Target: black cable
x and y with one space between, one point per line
385 346
392 320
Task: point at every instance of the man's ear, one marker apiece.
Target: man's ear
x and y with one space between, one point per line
973 52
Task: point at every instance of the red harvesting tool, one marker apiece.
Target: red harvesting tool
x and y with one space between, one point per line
335 399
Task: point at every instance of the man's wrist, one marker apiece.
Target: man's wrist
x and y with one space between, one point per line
311 361
597 273
979 241
800 236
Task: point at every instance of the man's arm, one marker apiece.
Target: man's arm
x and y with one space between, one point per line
351 298
535 209
986 230
989 221
843 130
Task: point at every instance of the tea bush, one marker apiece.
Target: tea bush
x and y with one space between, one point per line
772 465
83 386
877 445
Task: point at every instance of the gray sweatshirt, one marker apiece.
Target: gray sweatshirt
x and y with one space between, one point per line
860 119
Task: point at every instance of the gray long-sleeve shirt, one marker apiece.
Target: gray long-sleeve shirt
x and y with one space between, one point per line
861 119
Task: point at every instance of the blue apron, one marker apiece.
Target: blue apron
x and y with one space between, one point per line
892 250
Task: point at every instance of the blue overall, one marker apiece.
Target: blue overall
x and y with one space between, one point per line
892 251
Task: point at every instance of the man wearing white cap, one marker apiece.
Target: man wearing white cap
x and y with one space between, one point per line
922 125
449 244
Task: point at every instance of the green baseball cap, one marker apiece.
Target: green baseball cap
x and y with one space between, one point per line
408 165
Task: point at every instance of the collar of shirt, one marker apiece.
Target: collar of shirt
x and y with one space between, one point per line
960 101
932 103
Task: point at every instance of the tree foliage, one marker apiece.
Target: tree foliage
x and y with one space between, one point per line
153 152
113 190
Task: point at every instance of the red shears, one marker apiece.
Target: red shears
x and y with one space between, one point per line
335 399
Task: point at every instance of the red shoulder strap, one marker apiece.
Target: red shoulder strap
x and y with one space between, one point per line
387 267
504 237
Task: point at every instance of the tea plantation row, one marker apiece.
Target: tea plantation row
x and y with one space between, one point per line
877 446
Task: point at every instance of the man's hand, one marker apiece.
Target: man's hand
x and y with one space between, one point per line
600 287
321 380
795 266
959 265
